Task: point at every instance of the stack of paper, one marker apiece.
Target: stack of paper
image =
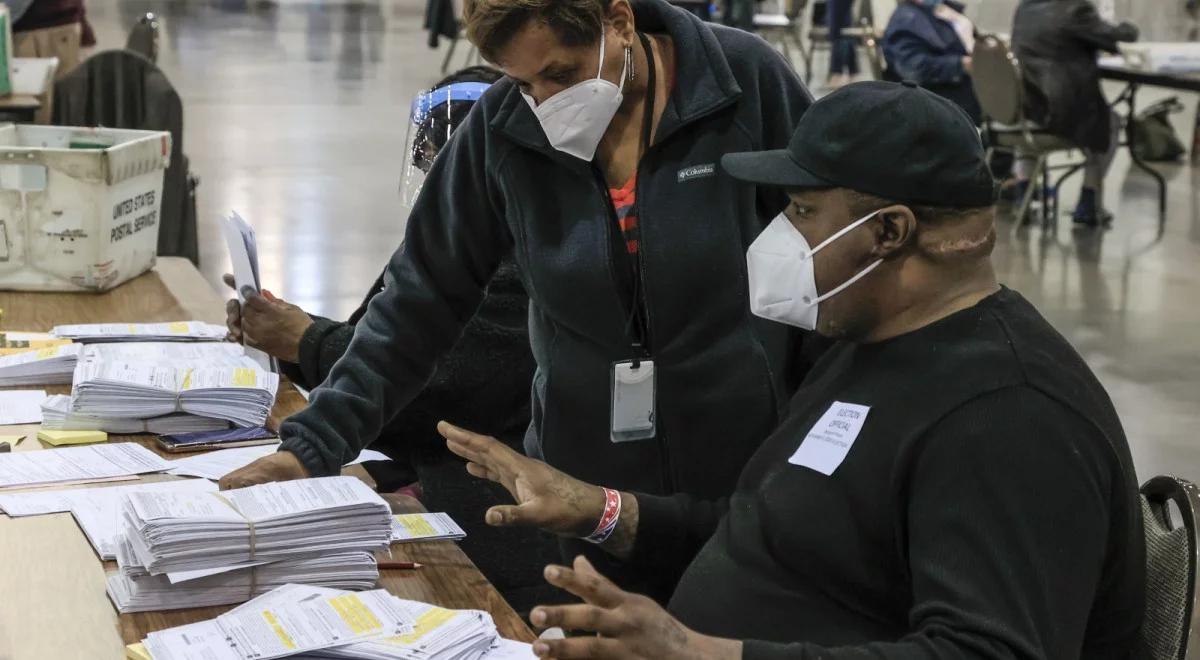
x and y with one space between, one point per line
95 509
57 416
86 464
203 354
281 623
242 395
138 591
52 365
171 532
216 464
408 527
113 332
21 406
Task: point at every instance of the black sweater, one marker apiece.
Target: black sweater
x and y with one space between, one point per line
987 509
481 384
499 187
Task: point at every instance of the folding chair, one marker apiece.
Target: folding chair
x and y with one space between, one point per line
1171 621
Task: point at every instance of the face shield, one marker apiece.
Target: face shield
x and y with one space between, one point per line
434 116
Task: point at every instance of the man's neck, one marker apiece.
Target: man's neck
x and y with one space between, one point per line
968 287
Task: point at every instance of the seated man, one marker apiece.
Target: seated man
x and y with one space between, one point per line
930 42
951 481
1057 43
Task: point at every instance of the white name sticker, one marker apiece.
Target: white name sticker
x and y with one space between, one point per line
830 439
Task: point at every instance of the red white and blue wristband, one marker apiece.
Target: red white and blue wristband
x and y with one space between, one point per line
608 521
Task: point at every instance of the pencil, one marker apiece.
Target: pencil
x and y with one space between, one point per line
399 564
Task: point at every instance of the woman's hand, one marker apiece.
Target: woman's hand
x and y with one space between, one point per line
628 626
546 497
267 323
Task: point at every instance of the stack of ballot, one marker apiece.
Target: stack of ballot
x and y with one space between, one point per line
112 388
438 634
281 623
135 590
114 332
170 532
371 624
57 416
52 365
407 527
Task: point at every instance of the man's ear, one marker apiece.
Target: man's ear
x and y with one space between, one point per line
896 227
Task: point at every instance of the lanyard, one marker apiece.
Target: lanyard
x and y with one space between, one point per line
637 326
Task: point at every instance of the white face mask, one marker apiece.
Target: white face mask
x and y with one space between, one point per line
783 282
576 118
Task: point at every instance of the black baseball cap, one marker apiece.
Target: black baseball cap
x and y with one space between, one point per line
895 141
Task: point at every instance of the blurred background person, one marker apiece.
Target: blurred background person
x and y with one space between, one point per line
930 42
843 55
1057 43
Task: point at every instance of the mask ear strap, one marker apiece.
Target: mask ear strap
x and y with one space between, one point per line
600 68
845 230
842 287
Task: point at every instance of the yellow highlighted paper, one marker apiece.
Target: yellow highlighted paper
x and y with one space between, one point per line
245 377
431 620
284 638
137 652
416 524
355 613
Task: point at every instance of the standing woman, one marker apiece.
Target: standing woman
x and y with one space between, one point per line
595 165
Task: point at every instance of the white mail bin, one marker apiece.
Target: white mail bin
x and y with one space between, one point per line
79 207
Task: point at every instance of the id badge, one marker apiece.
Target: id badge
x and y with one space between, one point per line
632 401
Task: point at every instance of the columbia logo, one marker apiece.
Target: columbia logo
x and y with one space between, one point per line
697 172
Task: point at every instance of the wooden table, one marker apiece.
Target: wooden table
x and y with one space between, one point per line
52 600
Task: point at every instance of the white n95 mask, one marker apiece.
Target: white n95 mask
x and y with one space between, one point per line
783 281
576 118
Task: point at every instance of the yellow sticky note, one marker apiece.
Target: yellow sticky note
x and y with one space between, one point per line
57 438
137 652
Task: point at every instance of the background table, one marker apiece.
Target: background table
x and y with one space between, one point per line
1135 79
52 600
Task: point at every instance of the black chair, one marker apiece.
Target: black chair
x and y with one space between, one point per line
1171 627
123 89
999 86
143 37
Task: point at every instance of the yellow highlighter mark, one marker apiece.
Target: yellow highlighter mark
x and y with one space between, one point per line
355 613
187 380
416 524
284 638
431 620
177 328
48 352
244 377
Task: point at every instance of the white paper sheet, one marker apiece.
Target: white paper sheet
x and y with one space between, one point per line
21 406
216 464
243 254
77 464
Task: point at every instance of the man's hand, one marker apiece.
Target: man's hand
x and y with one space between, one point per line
267 323
546 497
628 626
280 466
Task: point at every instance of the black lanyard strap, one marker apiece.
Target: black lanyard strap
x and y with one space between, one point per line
637 327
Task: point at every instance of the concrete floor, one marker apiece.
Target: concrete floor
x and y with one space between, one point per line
296 113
